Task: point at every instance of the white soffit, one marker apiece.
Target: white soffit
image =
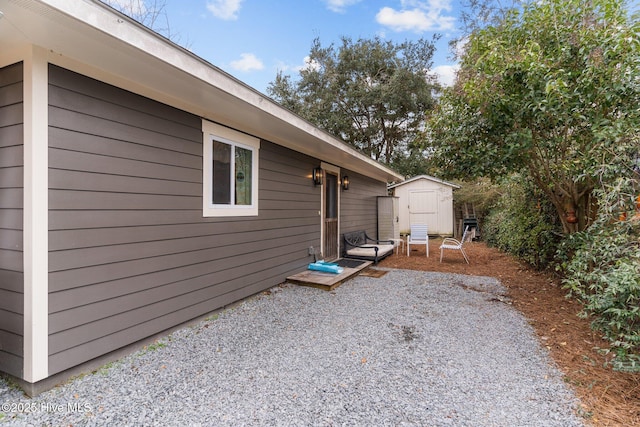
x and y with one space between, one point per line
89 37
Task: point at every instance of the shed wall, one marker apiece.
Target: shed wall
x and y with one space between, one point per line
11 220
130 253
440 197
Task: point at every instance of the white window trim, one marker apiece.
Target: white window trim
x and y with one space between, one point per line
210 132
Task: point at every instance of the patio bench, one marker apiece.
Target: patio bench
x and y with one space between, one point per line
358 245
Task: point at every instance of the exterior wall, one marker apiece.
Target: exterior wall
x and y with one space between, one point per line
443 194
130 253
11 220
359 205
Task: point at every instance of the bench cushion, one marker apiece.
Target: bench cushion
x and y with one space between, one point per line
360 246
383 250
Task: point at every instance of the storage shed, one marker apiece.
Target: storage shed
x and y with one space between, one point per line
426 200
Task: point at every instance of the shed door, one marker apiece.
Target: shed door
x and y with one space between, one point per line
423 209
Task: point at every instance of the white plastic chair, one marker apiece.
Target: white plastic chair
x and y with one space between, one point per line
453 244
418 236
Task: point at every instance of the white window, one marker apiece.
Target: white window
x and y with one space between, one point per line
230 172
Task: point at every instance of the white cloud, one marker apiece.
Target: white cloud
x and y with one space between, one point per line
461 47
247 62
224 9
340 5
281 66
418 16
308 64
446 74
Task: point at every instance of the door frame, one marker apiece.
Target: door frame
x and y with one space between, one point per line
333 170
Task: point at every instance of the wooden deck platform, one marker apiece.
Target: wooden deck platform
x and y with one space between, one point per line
329 281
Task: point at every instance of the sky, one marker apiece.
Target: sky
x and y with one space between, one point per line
254 39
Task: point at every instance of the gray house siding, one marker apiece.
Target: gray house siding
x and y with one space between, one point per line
130 253
359 204
11 201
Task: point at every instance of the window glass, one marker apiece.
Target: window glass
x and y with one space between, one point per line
221 173
331 196
230 172
243 176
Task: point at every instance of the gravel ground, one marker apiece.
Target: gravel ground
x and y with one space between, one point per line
408 349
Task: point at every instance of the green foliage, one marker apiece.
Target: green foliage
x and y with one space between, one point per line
411 162
550 91
371 93
482 193
602 269
106 368
522 223
155 346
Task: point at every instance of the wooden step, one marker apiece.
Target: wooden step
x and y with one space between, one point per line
328 281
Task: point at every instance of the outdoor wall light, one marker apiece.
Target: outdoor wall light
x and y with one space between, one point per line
317 176
345 182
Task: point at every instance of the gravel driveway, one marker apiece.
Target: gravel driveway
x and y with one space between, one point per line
407 349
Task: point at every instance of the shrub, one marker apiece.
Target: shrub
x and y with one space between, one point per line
602 269
523 224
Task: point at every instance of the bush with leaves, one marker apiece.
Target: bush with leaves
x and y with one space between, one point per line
523 223
602 269
550 90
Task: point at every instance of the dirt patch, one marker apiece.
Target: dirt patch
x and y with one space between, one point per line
607 398
371 272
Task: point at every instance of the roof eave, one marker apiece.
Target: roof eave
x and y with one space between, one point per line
428 178
90 37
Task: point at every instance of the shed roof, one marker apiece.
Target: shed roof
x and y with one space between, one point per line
420 177
90 37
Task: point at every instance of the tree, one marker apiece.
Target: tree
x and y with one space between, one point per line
150 13
372 93
550 91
